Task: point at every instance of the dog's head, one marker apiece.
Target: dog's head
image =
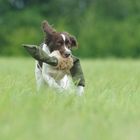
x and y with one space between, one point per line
61 41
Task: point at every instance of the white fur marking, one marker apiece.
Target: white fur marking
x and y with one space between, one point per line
44 45
63 36
45 48
67 50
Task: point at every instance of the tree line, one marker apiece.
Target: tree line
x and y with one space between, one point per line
103 28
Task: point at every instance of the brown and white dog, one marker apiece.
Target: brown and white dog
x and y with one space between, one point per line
56 41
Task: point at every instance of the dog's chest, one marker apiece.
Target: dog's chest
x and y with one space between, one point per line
55 73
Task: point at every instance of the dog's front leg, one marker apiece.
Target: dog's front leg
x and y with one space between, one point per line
50 81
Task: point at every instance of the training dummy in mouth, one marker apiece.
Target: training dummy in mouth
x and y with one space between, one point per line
54 59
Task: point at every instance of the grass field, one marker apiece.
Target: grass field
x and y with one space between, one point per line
109 110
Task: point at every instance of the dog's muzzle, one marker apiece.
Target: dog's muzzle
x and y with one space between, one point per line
67 54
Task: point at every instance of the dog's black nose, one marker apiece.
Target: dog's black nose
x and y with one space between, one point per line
67 54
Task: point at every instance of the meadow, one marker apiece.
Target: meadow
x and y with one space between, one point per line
109 109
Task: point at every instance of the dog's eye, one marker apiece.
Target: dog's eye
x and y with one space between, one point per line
67 42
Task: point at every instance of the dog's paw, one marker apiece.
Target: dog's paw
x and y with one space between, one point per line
80 90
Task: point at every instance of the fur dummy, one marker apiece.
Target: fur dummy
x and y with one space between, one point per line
63 63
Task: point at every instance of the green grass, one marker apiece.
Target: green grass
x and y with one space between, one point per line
109 110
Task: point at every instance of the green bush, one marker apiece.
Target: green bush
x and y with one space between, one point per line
103 28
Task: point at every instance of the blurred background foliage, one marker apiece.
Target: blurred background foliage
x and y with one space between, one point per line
103 28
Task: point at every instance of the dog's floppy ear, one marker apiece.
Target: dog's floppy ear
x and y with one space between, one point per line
47 28
73 41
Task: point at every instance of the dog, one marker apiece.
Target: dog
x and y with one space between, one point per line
61 42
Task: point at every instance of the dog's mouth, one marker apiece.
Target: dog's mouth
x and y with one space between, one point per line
63 54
